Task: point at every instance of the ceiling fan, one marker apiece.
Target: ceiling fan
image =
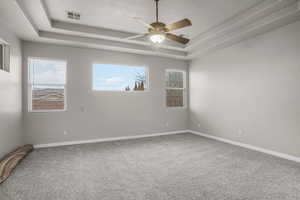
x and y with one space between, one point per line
158 31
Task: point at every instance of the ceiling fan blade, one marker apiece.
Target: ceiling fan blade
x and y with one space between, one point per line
138 19
176 38
180 24
135 36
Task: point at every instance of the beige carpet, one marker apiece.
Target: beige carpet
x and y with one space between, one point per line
177 167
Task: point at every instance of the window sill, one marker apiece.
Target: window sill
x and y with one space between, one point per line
114 91
45 111
175 108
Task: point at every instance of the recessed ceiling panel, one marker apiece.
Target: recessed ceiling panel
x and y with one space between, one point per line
12 17
115 14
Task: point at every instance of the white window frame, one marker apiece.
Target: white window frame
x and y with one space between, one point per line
2 56
183 89
5 60
122 91
30 85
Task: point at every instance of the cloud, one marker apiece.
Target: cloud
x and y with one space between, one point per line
113 81
51 77
48 72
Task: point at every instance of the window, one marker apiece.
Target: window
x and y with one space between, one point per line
47 85
175 88
4 56
107 77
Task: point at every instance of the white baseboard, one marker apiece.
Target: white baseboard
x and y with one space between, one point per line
270 152
37 146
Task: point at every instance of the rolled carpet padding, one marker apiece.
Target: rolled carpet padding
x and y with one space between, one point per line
11 160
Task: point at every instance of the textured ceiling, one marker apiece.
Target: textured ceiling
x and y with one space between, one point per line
116 14
105 24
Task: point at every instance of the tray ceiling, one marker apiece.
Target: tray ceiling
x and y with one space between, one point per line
104 23
116 14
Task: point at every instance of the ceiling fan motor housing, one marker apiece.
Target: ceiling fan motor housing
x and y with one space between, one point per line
158 31
159 27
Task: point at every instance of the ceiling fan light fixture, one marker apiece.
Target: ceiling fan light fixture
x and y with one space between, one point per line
159 31
157 38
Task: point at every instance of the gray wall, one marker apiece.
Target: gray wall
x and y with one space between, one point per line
250 92
11 97
107 114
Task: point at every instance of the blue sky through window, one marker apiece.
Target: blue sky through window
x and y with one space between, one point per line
110 77
47 71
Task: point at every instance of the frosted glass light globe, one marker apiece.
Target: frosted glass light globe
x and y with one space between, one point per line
157 38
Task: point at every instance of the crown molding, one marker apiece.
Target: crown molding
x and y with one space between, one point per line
286 15
27 16
46 11
104 33
241 19
96 37
262 17
109 45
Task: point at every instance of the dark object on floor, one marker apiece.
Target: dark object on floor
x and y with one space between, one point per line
11 160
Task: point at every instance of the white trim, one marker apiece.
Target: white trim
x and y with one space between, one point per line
5 46
184 89
247 146
30 84
2 56
256 18
3 41
46 12
147 71
258 12
97 43
26 14
286 15
37 146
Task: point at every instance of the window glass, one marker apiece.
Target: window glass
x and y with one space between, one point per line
174 79
47 82
1 57
4 56
175 88
107 77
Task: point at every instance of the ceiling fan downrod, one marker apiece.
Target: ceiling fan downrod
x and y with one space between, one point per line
156 2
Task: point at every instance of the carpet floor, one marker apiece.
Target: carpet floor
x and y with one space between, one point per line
176 167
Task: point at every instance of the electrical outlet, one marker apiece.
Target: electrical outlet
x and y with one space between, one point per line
167 124
65 132
199 125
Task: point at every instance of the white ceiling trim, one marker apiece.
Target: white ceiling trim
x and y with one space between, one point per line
111 45
284 16
80 38
243 18
20 4
103 33
260 18
45 9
